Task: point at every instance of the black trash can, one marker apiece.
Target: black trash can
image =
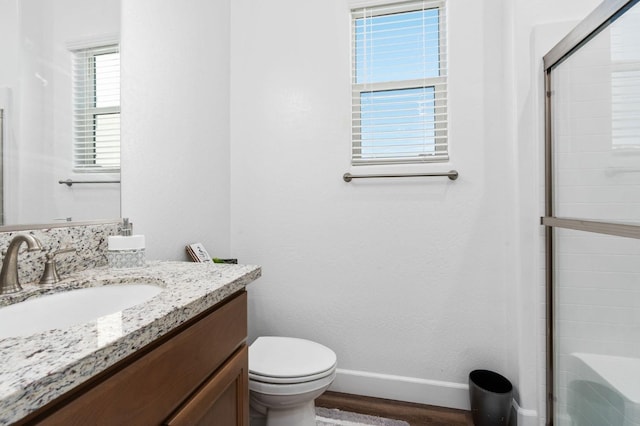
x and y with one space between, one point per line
490 395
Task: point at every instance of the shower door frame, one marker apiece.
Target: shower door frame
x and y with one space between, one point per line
599 19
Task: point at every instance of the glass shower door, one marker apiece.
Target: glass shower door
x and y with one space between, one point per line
593 221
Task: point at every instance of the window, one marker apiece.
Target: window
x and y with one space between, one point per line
625 82
399 83
96 104
625 108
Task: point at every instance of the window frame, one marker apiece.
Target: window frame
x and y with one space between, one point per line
85 109
439 84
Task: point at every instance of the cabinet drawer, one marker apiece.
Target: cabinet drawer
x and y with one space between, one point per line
152 387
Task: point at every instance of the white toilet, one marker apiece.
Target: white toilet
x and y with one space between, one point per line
286 375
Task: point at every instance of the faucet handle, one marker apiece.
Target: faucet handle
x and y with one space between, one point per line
50 274
51 255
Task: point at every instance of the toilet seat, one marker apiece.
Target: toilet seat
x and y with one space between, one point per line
288 360
291 388
291 380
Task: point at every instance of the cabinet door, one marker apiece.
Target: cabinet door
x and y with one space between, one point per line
223 400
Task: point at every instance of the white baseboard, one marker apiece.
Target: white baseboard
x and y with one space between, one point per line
525 417
400 388
420 391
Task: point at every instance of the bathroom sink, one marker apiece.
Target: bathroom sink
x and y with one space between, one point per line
67 308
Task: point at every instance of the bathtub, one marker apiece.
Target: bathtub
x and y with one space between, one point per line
604 390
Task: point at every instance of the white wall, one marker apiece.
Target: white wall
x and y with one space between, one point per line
175 124
413 282
408 279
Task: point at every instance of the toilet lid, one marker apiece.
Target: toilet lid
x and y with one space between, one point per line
288 357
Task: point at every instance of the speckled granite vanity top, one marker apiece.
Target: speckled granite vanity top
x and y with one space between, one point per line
36 369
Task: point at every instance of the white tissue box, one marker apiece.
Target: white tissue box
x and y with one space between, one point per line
126 258
126 251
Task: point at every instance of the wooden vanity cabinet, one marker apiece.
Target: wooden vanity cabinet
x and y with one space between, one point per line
198 375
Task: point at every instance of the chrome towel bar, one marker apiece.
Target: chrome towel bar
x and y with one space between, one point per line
70 182
451 174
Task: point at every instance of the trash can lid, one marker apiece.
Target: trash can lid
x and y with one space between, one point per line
490 381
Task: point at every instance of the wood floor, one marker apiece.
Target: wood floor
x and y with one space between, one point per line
414 414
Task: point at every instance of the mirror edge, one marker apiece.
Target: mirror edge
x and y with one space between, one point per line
14 228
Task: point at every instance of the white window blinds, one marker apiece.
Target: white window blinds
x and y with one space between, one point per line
96 104
625 82
399 83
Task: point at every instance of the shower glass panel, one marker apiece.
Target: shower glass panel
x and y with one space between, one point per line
596 126
593 220
597 329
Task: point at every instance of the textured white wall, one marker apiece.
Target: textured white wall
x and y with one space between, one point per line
404 278
175 124
411 281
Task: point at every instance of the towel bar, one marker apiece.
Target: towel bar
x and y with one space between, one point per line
70 182
451 174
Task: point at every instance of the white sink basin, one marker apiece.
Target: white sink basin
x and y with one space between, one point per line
67 308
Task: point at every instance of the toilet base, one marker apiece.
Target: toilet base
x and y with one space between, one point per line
256 418
300 415
292 406
303 415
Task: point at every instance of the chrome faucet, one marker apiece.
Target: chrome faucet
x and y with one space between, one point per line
9 274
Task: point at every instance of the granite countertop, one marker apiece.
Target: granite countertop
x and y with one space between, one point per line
37 369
